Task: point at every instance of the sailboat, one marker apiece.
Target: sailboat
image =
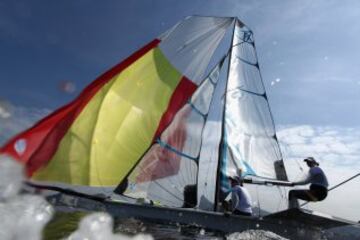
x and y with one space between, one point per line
157 136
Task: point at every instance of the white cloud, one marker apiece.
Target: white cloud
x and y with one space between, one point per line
336 148
338 151
4 113
17 119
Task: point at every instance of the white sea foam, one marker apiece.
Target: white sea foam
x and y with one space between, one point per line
29 215
255 235
24 216
99 226
11 178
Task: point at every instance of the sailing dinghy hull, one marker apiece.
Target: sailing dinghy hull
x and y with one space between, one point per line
293 223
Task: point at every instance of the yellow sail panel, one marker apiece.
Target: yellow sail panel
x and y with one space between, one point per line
116 126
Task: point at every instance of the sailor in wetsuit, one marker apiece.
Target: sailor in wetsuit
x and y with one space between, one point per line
318 185
240 197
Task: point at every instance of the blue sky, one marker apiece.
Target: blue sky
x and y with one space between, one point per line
308 49
308 52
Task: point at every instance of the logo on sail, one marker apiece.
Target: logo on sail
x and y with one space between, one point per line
20 146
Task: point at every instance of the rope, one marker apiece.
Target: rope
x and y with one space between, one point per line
338 185
258 200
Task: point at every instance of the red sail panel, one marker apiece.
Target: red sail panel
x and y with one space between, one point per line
41 141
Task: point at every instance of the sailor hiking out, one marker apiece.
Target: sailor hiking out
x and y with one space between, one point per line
318 185
240 197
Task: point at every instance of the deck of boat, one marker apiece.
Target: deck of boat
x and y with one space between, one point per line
293 223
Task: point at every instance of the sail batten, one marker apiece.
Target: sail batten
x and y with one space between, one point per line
250 137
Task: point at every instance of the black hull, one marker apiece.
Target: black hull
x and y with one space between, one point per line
292 224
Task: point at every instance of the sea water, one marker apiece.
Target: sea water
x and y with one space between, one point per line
31 217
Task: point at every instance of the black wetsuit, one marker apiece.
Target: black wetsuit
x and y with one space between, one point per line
315 193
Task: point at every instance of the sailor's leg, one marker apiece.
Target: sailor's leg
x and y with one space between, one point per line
305 195
293 202
294 195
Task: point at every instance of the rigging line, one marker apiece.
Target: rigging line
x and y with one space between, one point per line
258 200
154 142
212 99
247 91
193 107
256 64
165 189
187 166
220 68
202 36
167 178
239 44
204 116
197 110
212 82
180 177
183 178
338 185
179 173
297 162
169 147
285 148
209 78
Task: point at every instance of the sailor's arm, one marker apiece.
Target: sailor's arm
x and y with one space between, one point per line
307 180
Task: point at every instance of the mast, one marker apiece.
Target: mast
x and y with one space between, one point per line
222 144
248 140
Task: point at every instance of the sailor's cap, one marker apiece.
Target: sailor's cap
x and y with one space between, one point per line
311 160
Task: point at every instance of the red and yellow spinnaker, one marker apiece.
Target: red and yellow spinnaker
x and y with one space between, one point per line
98 138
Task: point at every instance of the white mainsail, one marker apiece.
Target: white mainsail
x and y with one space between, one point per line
248 138
225 126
